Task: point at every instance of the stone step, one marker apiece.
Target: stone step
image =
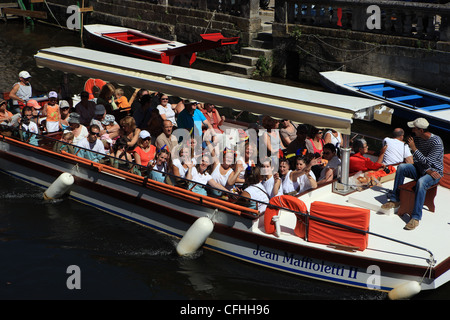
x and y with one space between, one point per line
240 68
256 52
245 60
261 44
234 74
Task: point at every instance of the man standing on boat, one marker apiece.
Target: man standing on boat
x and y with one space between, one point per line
428 154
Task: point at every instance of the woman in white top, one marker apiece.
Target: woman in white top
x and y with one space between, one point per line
255 189
200 175
180 163
223 172
271 182
245 161
307 180
334 137
293 182
166 110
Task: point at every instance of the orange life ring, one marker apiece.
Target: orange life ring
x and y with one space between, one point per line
91 83
289 202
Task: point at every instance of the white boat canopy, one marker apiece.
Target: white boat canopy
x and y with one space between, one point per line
325 110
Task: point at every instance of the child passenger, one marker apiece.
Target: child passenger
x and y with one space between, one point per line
51 111
255 190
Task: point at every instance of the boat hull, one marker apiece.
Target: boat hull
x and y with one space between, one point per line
355 84
237 236
96 39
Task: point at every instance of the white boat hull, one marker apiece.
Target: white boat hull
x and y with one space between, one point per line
236 236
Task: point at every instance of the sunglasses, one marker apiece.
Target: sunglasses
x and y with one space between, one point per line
95 133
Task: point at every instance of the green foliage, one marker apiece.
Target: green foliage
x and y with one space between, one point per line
263 67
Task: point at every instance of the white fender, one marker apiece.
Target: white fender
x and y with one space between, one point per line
195 236
59 186
405 290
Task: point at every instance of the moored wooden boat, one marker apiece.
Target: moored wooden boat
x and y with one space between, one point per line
408 102
138 44
384 256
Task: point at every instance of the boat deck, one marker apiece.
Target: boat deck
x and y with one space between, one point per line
432 232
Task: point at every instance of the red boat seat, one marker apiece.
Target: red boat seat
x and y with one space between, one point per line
320 232
445 180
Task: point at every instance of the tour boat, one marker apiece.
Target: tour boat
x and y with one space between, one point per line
336 233
138 44
408 102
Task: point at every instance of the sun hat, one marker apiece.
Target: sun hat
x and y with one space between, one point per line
420 123
109 118
99 109
33 103
63 104
74 118
144 134
24 74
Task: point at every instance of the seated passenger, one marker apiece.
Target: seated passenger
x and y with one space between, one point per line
254 189
121 158
200 175
144 151
315 142
293 182
166 110
121 101
92 148
358 162
213 116
334 137
5 115
166 140
180 164
79 131
248 159
129 131
160 165
65 144
271 139
64 110
397 151
331 169
271 181
223 173
27 128
288 132
110 126
307 180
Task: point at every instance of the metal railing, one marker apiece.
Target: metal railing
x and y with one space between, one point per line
399 18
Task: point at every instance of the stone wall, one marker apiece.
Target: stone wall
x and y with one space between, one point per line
304 46
177 20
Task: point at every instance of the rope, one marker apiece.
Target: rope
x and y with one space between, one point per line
210 20
52 13
431 264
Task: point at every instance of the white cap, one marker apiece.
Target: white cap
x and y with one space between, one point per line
53 94
24 74
144 134
420 123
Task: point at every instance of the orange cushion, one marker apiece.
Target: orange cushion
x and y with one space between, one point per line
320 232
445 180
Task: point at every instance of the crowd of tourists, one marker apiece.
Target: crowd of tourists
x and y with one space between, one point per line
137 135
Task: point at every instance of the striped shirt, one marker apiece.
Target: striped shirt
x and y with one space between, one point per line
429 154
